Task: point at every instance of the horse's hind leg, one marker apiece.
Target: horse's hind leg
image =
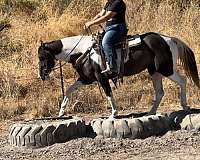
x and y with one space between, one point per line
182 83
159 92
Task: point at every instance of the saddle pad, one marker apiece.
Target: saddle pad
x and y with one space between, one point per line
134 41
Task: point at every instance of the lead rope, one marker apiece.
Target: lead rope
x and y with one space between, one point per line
61 80
61 72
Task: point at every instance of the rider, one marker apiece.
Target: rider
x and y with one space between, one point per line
113 14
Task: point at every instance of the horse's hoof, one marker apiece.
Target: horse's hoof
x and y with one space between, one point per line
61 113
114 113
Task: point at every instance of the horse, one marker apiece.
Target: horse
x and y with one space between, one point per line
157 53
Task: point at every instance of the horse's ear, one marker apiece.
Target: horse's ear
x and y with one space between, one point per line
41 42
44 45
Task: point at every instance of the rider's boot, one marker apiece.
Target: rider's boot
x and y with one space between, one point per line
110 69
107 70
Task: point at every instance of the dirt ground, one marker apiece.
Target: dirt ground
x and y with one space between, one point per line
183 145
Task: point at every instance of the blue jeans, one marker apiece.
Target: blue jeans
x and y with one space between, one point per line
113 34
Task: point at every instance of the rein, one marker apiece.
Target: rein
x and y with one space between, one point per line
61 80
74 46
61 65
88 31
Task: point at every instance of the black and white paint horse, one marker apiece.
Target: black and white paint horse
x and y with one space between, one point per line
157 53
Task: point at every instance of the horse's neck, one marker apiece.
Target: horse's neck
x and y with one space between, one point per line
72 45
77 43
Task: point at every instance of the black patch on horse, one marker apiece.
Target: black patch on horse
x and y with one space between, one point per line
163 55
54 47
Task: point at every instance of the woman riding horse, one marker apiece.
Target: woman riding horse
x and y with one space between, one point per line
113 14
157 53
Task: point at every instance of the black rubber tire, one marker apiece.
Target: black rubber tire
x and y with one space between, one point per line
142 127
40 133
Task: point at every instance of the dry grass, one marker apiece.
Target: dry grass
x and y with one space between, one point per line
21 93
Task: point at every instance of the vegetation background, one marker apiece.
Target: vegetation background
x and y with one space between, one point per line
23 95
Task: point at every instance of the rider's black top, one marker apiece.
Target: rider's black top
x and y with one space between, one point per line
119 7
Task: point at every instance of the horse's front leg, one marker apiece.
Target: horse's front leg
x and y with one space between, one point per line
108 91
113 105
71 89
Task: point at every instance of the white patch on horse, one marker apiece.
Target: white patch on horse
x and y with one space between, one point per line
173 49
96 57
72 45
113 105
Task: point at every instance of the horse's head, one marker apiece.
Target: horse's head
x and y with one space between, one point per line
46 60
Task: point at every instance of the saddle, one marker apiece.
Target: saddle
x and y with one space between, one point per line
121 50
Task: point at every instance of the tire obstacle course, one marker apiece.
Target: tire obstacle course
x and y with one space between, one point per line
40 133
133 128
45 132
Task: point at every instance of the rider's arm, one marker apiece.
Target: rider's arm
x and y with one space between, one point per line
104 18
100 14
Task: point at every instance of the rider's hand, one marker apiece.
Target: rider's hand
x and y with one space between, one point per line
88 25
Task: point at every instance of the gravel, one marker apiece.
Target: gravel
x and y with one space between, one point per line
173 145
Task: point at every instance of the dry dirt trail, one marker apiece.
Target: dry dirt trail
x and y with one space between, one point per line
173 145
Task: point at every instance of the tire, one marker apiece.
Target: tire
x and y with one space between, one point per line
40 133
142 127
191 122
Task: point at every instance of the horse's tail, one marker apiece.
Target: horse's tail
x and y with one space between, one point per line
187 60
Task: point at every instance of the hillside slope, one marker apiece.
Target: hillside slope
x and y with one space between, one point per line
23 94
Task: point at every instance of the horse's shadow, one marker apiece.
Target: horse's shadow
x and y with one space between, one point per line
130 115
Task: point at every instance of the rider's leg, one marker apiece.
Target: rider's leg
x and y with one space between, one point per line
113 34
